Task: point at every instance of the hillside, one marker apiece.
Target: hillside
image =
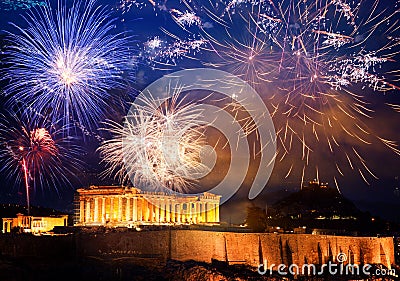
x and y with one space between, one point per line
317 206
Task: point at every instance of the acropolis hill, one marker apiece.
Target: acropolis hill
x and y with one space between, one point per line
163 231
129 228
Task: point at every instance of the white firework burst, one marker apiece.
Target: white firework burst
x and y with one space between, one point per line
158 147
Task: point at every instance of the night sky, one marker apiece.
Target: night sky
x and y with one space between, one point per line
145 22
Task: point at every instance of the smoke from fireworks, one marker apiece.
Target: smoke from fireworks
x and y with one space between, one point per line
65 62
159 145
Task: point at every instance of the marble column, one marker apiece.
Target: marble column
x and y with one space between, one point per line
190 213
195 212
150 208
208 212
135 210
181 213
87 211
217 212
144 212
162 210
212 212
140 209
152 211
146 209
156 210
208 209
81 210
112 209
168 211
203 212
178 213
128 209
96 209
103 210
173 212
119 208
210 215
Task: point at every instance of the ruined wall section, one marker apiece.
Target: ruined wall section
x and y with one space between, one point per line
249 248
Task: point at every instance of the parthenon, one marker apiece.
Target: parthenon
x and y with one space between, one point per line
124 206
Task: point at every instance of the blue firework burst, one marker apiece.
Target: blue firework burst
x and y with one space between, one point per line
65 62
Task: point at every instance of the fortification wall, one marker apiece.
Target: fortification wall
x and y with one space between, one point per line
249 248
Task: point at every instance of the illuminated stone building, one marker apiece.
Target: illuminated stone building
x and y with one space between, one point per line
316 184
126 206
34 224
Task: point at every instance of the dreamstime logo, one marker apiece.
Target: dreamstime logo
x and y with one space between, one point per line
244 97
341 257
331 268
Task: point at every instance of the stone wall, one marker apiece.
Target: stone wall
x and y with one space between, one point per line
182 245
136 244
249 248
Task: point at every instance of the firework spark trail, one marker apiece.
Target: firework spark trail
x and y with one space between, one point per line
165 53
36 153
246 56
158 146
321 58
65 62
185 18
126 5
306 33
318 54
159 53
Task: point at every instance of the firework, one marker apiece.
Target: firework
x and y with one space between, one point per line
159 53
159 145
185 18
165 53
246 53
309 60
65 62
126 5
36 154
321 63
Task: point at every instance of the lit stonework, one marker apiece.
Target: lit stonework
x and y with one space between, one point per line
33 224
124 206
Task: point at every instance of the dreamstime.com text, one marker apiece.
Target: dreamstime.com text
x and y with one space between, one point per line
329 268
